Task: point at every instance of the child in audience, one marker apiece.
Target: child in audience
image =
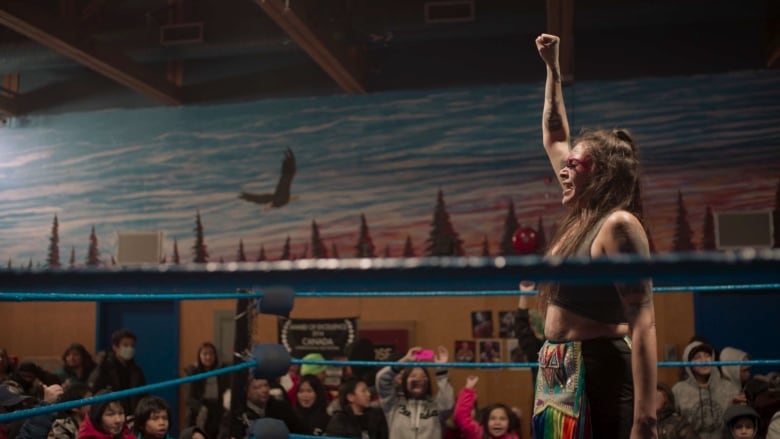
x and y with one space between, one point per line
741 422
152 419
106 420
67 423
495 421
355 417
311 405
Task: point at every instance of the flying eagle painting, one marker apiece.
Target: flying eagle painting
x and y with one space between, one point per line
281 195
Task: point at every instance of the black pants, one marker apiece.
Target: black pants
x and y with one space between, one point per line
609 387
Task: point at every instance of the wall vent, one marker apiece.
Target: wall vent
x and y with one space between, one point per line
182 33
451 11
137 248
744 229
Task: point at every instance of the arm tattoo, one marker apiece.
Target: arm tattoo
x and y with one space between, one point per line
556 74
635 297
552 117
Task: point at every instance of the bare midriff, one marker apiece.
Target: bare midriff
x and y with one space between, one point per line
563 325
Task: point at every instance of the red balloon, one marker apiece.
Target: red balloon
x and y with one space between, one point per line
525 240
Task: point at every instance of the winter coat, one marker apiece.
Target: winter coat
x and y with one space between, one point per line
88 431
732 373
671 425
344 423
108 374
414 418
469 427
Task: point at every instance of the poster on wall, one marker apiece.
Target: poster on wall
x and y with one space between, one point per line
465 351
489 351
329 337
482 324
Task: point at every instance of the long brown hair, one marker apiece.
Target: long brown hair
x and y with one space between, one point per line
615 185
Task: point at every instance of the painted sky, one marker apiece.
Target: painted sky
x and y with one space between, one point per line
715 138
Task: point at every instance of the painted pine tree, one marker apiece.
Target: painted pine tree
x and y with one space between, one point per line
708 234
93 253
199 251
334 251
683 235
241 256
443 239
286 250
176 258
53 259
510 226
261 255
408 248
318 249
365 246
72 262
485 247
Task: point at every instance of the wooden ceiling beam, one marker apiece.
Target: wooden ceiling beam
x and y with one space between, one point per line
560 21
333 66
88 52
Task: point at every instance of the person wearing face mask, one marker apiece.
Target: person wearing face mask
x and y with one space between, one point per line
118 370
415 412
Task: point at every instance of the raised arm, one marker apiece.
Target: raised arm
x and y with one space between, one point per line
555 125
625 234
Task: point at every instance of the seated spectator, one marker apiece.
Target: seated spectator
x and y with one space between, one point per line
763 394
118 369
34 427
106 420
12 399
355 417
31 378
736 375
193 433
7 366
77 365
204 397
259 404
741 422
152 419
703 397
670 424
495 421
773 432
67 423
311 405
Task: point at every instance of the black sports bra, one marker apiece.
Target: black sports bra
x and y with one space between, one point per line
599 302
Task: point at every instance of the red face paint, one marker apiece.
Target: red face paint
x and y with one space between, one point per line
573 163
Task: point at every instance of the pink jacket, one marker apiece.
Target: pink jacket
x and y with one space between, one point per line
470 429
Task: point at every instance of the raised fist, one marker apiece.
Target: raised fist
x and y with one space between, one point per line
548 45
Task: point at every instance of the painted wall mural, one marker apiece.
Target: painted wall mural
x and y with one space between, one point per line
370 165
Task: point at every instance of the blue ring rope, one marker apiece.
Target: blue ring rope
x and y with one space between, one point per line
145 297
113 396
424 274
120 394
